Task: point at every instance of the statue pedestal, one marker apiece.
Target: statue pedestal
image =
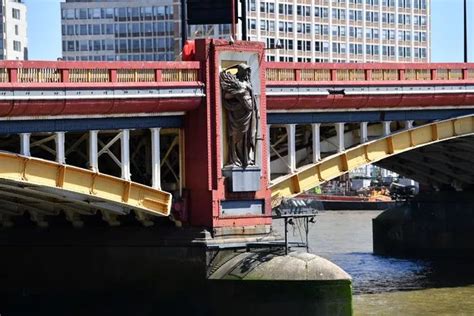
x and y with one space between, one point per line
242 180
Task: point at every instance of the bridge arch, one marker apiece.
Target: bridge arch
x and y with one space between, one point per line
404 141
30 184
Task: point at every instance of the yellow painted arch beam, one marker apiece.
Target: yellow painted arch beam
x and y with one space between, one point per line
331 167
82 182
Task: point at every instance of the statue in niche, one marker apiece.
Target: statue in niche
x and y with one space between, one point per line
242 115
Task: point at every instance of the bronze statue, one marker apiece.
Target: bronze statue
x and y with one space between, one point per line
242 115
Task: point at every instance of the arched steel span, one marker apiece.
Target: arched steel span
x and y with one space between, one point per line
43 187
333 166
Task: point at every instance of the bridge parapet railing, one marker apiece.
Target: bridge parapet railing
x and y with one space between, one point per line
324 73
135 73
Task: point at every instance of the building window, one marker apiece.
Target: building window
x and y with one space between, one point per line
338 31
339 14
252 5
17 46
16 14
372 49
16 30
321 12
372 16
372 2
404 19
81 14
419 4
355 32
355 15
321 29
404 3
252 24
388 51
355 49
388 3
286 9
404 52
339 48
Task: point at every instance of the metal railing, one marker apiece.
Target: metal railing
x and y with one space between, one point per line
40 72
369 72
136 75
26 75
174 72
89 75
170 75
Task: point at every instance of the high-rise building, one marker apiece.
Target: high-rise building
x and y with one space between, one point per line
13 30
293 30
120 30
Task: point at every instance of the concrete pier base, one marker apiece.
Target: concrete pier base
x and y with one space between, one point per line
265 283
437 224
135 271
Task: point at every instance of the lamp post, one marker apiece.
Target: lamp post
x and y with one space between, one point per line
465 31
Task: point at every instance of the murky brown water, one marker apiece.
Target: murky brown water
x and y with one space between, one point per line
443 301
384 285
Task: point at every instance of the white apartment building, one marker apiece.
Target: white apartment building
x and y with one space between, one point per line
108 30
342 30
13 30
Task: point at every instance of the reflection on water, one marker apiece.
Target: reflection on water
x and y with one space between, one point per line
384 285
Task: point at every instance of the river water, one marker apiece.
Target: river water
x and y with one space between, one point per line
385 285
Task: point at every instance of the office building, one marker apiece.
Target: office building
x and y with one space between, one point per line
107 30
13 30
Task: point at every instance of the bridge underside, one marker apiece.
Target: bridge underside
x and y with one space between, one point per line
41 189
443 165
437 155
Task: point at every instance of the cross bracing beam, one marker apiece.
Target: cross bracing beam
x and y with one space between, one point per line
87 188
81 124
333 166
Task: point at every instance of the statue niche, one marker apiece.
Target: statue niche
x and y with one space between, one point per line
242 115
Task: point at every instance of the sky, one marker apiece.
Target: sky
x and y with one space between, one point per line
44 30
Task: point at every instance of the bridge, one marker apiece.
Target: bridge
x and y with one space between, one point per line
81 138
104 155
326 120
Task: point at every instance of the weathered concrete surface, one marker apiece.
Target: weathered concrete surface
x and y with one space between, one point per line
433 225
271 266
274 284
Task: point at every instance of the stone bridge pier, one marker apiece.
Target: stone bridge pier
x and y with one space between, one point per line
434 224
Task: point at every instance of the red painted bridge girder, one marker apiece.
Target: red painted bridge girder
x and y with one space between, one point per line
407 78
23 82
36 88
